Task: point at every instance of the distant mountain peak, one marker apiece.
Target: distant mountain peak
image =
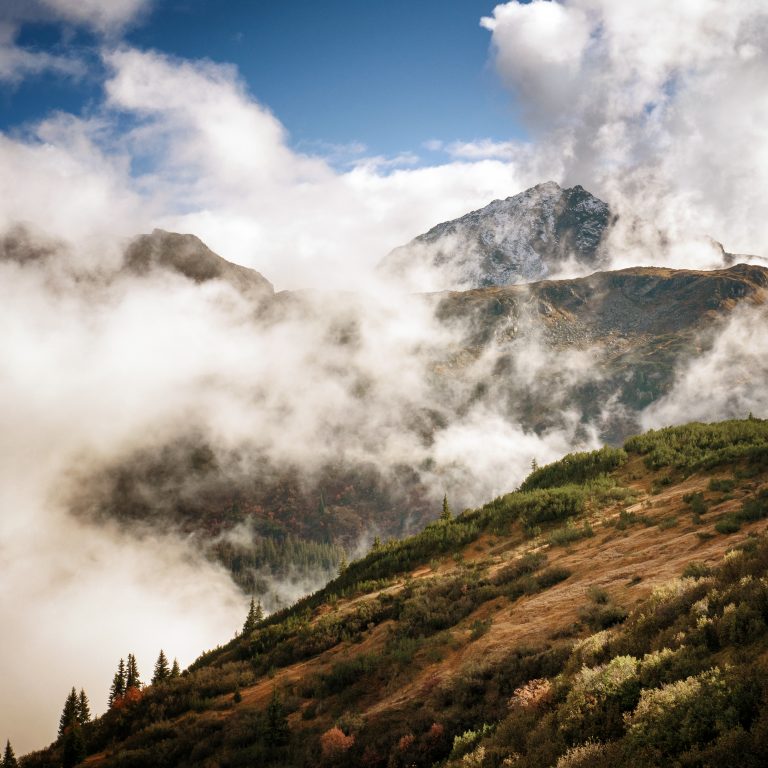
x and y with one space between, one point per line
192 258
522 238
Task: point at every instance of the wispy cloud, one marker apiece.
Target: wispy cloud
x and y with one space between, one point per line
657 106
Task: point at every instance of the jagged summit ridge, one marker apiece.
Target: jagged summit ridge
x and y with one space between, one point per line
520 239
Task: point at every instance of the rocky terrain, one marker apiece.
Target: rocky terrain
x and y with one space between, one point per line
635 326
521 239
187 255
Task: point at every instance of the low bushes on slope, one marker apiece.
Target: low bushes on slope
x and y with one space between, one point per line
701 446
682 682
575 468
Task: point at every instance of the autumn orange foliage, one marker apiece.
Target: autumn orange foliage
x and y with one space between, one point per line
335 742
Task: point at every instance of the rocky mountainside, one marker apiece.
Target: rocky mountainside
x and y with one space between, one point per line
520 239
611 612
607 346
635 327
187 255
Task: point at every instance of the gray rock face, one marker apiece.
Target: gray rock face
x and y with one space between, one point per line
191 257
521 239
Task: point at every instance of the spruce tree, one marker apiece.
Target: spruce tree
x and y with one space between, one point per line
68 717
344 564
132 679
175 670
9 759
162 671
277 731
117 691
255 615
446 514
83 709
74 751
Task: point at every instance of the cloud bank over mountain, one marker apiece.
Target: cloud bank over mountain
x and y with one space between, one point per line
97 363
657 107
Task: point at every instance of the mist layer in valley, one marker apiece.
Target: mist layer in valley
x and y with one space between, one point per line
172 421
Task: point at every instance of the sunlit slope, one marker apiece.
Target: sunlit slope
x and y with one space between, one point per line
549 627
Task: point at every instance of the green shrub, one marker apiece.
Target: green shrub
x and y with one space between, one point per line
551 576
696 570
464 743
701 446
679 715
728 525
598 617
696 502
721 484
569 533
598 697
755 509
575 468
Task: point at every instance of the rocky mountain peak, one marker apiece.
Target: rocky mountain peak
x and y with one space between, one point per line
520 239
191 257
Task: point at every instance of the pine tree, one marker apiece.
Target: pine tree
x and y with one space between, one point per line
132 679
376 544
175 670
344 564
446 514
277 732
255 615
534 464
83 709
9 759
162 671
68 717
74 751
117 691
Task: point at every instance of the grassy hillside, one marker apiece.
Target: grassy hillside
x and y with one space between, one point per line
612 612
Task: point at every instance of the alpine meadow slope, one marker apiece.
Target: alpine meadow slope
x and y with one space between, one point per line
611 612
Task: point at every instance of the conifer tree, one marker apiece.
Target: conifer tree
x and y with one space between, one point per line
68 717
255 615
74 751
446 514
117 691
175 670
9 759
344 564
277 732
162 671
376 544
83 709
132 679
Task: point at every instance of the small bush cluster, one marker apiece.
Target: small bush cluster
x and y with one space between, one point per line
700 446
